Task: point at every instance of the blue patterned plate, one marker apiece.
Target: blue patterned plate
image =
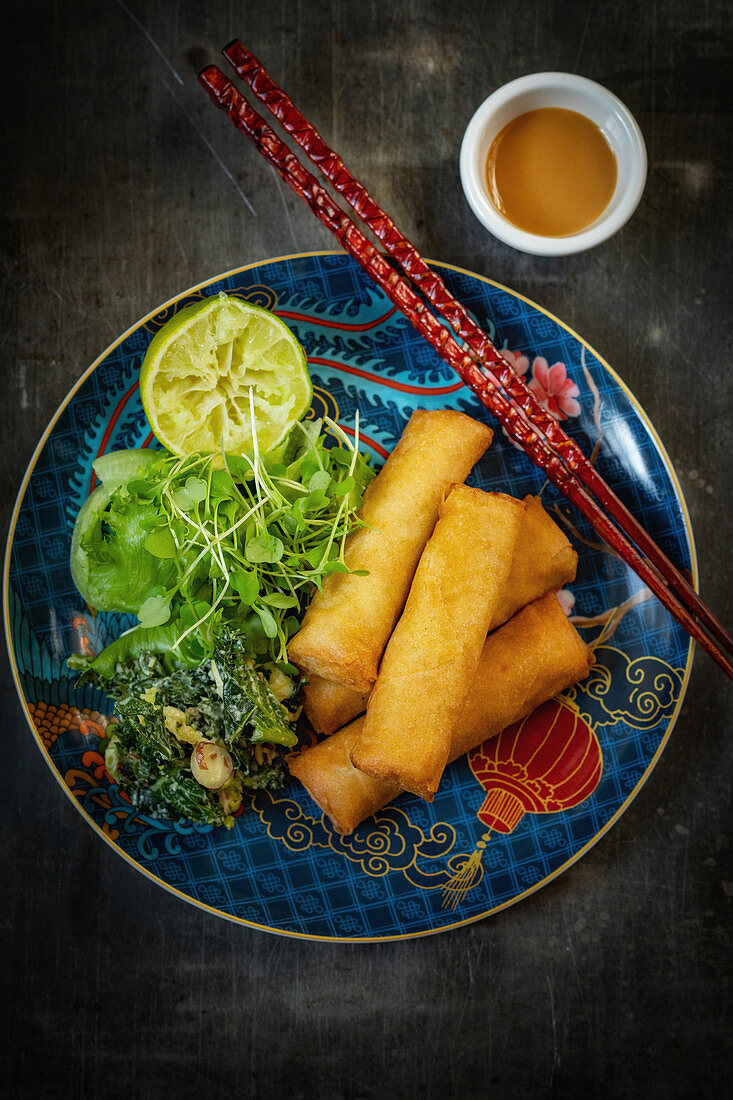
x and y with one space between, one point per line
499 827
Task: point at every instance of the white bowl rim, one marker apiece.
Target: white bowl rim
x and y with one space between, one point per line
472 173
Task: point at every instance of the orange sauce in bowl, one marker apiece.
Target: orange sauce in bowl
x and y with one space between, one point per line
551 172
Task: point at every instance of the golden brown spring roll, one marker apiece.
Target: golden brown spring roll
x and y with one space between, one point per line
431 658
347 625
329 706
533 657
345 794
543 561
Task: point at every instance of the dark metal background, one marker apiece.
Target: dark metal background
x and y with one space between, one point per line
121 187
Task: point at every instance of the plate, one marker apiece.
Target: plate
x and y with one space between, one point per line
417 868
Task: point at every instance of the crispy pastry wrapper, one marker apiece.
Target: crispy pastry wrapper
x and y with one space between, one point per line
346 795
329 706
543 561
347 625
431 658
533 657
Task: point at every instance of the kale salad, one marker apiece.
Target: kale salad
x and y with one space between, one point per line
217 555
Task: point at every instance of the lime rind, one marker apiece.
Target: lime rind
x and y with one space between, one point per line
210 365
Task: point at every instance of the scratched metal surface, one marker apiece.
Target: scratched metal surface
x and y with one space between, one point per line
122 186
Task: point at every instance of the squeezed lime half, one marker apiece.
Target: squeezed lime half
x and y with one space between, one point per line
215 363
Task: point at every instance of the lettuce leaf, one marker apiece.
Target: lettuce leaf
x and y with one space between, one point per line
110 562
158 640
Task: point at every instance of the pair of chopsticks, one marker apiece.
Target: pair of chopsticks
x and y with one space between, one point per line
479 364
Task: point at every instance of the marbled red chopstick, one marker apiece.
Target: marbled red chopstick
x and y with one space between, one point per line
514 419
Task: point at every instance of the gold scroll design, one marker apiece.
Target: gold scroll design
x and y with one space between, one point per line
323 404
653 688
389 842
258 295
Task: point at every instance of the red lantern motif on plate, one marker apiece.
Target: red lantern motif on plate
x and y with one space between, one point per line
548 762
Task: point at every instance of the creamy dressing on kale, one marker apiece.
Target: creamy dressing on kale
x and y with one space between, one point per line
161 715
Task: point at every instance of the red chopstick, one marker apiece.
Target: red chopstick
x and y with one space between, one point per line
514 419
251 70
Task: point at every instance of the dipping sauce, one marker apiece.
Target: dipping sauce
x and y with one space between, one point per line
551 172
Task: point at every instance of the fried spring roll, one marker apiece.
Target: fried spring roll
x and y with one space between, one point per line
533 657
347 625
543 561
329 706
431 658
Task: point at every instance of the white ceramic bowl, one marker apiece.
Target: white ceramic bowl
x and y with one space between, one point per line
575 93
